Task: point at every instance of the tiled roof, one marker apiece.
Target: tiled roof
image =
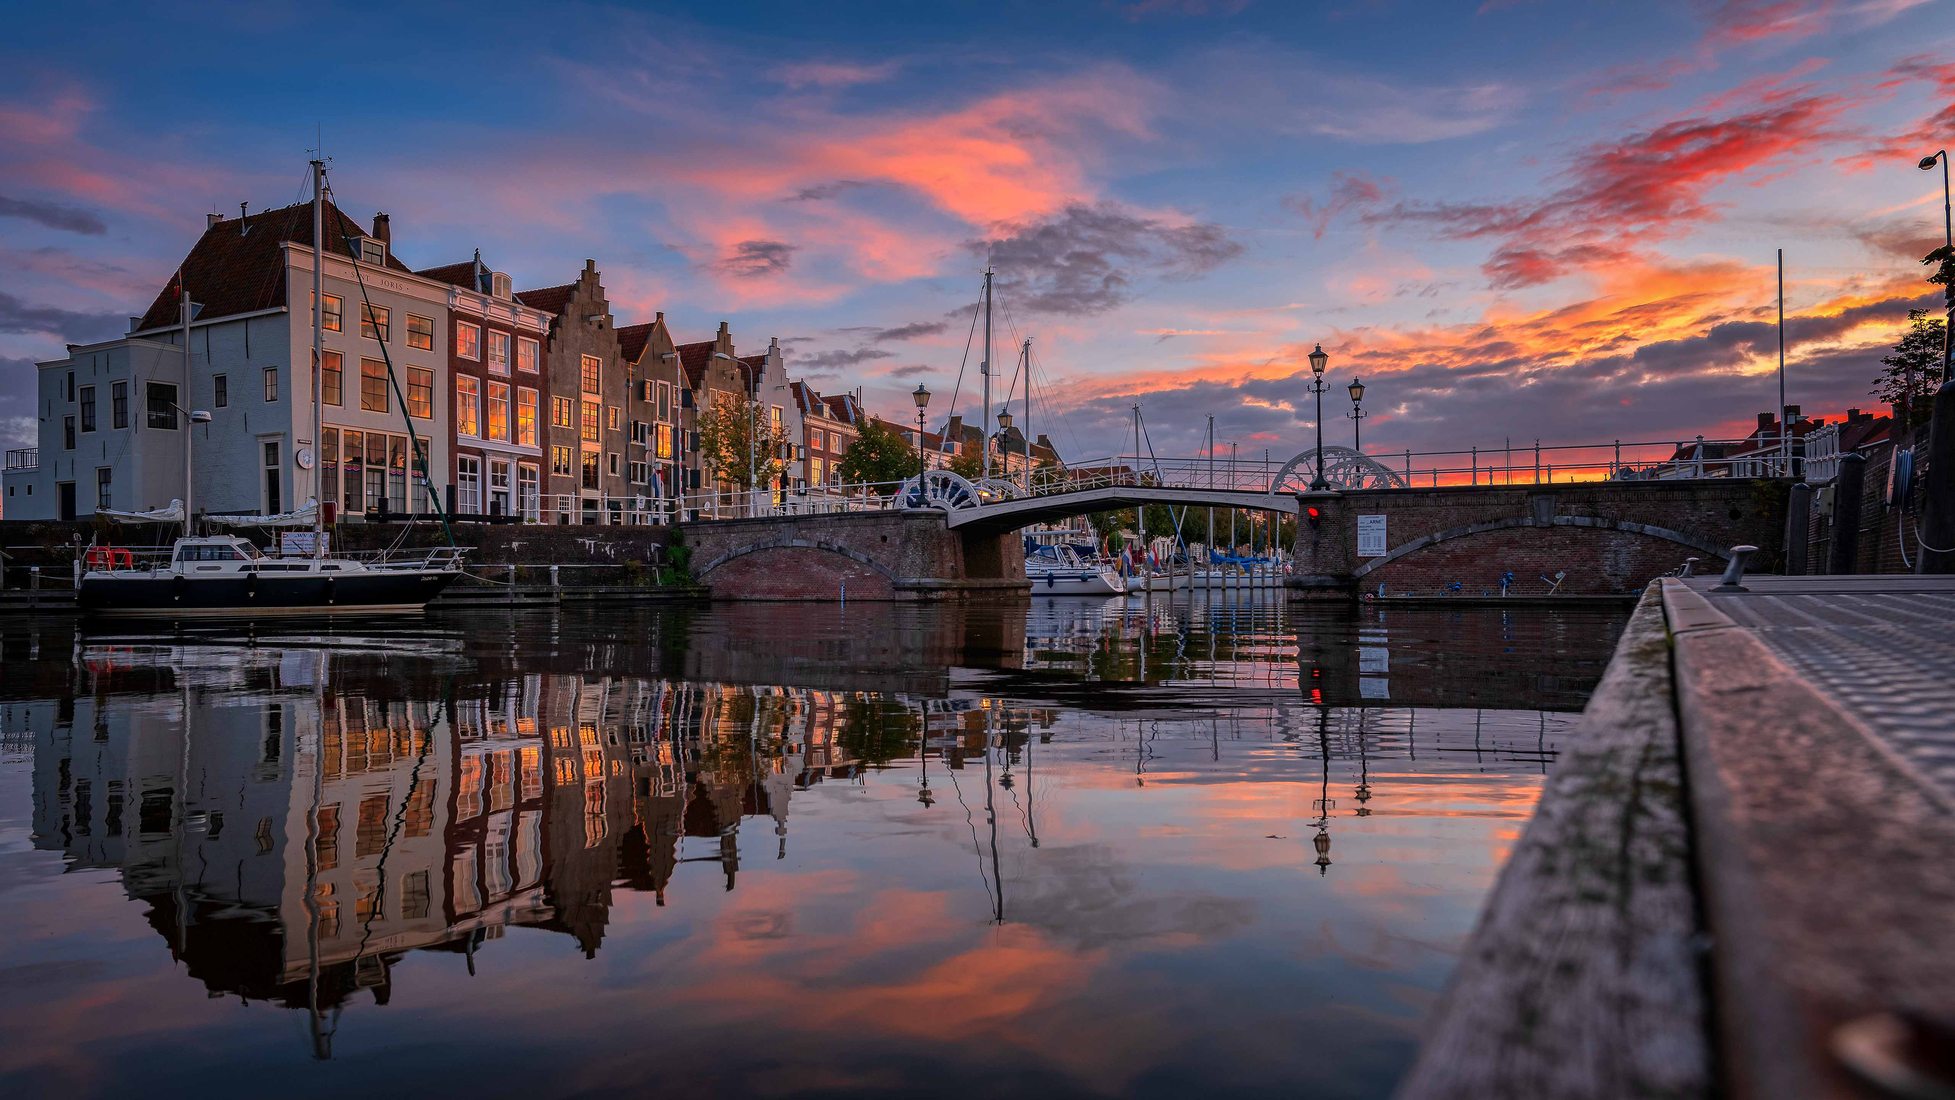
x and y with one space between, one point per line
632 340
549 299
694 358
462 275
841 407
235 267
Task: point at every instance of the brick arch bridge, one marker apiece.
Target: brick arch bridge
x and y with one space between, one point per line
1609 537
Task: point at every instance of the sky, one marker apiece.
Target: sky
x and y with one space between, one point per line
1513 219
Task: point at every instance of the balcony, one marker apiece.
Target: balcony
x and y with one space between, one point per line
24 458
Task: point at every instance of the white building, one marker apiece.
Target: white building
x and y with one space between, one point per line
112 415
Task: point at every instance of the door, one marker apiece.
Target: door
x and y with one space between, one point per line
65 494
274 479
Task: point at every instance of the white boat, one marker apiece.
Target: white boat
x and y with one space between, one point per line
227 576
1058 570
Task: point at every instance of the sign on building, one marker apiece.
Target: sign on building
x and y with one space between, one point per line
1371 536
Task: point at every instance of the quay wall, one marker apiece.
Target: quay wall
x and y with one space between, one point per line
1611 538
893 555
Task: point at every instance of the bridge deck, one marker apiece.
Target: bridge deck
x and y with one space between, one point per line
1009 514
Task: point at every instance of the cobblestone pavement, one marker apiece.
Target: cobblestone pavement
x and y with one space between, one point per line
1882 646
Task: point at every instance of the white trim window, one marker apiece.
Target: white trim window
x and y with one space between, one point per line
468 485
468 407
498 352
468 340
527 350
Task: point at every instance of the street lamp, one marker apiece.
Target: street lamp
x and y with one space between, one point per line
1948 246
922 399
1357 415
1004 441
1318 359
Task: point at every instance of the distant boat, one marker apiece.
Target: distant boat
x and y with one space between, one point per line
1058 570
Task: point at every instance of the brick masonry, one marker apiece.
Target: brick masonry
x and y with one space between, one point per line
878 555
1610 537
1885 530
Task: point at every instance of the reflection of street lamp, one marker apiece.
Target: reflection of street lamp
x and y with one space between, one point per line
1357 415
923 753
1322 840
1317 386
922 399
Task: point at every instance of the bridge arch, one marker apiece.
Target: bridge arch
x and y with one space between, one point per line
800 568
1539 559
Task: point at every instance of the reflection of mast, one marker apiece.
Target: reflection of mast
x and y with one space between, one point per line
1322 840
1364 769
991 817
322 1036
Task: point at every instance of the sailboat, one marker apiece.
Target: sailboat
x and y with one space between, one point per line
222 575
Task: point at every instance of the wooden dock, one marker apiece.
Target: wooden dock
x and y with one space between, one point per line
1741 878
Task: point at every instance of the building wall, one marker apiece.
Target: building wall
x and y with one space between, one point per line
516 322
573 335
147 463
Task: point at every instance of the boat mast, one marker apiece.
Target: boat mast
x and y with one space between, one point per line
189 476
984 372
318 356
1025 429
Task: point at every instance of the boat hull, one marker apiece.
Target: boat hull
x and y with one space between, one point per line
256 595
1073 582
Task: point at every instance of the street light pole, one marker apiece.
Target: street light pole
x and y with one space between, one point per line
1357 415
922 399
1318 483
1948 242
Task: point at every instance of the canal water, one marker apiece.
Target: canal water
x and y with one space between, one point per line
1070 849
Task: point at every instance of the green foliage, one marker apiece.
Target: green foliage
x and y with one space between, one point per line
876 731
739 442
1918 351
968 465
879 454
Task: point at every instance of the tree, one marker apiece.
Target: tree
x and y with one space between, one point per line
1918 353
740 442
968 465
879 456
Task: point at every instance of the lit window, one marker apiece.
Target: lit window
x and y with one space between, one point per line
468 406
420 393
373 385
611 417
420 332
590 432
592 368
526 417
374 322
560 412
665 441
590 469
499 410
468 340
526 352
331 318
499 352
329 377
560 461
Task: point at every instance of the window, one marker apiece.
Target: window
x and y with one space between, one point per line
499 352
814 471
526 417
274 495
220 390
468 485
816 440
613 463
590 432
664 441
162 405
560 412
374 321
331 319
70 384
373 251
468 340
526 497
611 417
640 473
641 432
420 393
271 384
560 461
777 418
329 377
468 406
592 368
665 400
526 351
499 410
119 404
420 332
102 477
590 469
373 385
88 408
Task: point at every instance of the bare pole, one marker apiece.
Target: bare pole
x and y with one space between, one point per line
1785 430
984 371
1025 429
189 475
318 357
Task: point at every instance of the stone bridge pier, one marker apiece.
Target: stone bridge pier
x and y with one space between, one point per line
894 555
1610 538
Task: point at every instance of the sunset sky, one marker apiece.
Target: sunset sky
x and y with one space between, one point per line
1513 218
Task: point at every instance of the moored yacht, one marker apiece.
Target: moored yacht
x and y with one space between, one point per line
1058 570
224 575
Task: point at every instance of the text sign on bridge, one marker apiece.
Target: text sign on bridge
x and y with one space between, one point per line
1371 536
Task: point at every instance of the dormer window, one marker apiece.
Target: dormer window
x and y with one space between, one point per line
499 285
370 250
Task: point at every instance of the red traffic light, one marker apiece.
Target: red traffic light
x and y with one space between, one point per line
1313 514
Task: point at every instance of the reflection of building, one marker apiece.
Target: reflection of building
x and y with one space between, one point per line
294 829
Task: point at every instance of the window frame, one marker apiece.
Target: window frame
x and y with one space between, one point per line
119 405
331 370
428 334
505 401
87 403
166 419
379 378
333 315
468 406
376 322
420 393
526 416
472 349
491 339
271 385
590 374
528 363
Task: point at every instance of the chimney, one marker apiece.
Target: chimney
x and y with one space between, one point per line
382 230
211 219
1765 422
1853 416
659 317
954 432
1792 414
722 330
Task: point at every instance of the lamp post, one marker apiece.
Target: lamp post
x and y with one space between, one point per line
1004 442
1948 243
1318 359
922 399
1357 415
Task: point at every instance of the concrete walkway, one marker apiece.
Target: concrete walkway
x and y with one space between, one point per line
1780 760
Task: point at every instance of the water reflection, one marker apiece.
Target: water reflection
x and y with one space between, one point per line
1082 849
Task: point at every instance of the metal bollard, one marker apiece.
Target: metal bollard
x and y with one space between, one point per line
1689 568
1735 572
